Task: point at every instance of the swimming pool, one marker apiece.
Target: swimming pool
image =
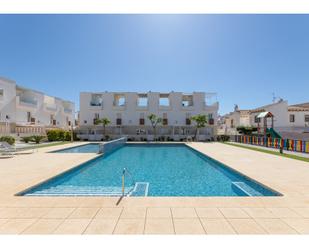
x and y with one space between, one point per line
153 170
85 148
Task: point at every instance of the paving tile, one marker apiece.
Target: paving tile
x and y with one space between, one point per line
84 213
109 213
43 226
16 226
2 221
300 225
246 226
217 226
159 213
13 212
304 212
34 212
101 226
209 213
284 212
133 213
58 213
234 213
130 226
259 213
184 213
188 226
275 226
72 226
159 226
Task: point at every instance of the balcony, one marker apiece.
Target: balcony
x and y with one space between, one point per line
142 102
164 102
96 101
50 107
119 102
67 110
187 102
24 102
67 107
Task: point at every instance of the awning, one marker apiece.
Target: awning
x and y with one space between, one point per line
265 114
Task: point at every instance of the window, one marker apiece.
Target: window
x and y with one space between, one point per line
141 119
232 123
28 117
256 119
306 118
165 120
1 93
118 119
292 118
85 121
188 119
52 120
211 120
164 100
96 117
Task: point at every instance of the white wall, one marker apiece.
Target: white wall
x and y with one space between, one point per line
130 113
11 104
7 101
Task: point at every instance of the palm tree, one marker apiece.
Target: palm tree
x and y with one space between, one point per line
154 120
104 122
201 121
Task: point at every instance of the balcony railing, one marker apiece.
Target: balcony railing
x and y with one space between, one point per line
50 107
93 103
27 102
67 110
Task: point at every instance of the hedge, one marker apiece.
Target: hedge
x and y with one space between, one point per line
9 139
58 135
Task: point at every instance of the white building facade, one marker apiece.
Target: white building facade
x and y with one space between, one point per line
292 121
26 111
128 112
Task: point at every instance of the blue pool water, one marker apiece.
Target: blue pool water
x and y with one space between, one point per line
158 170
87 148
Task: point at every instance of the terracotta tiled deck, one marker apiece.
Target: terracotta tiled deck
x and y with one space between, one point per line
156 215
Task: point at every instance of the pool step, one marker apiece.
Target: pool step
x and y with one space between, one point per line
83 191
140 189
244 189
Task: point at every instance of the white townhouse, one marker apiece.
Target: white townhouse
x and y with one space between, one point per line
128 112
27 111
291 121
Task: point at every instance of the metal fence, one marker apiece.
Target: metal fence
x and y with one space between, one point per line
276 143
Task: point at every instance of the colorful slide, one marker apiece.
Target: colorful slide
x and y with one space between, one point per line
273 133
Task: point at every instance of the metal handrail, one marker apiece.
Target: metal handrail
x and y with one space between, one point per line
124 172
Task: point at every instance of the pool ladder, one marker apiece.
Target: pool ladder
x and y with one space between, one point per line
125 172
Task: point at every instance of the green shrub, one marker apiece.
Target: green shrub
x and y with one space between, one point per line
9 139
26 139
67 136
52 135
58 135
37 139
246 130
223 138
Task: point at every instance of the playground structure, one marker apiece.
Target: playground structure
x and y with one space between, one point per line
266 132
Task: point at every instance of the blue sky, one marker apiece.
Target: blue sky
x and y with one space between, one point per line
244 58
